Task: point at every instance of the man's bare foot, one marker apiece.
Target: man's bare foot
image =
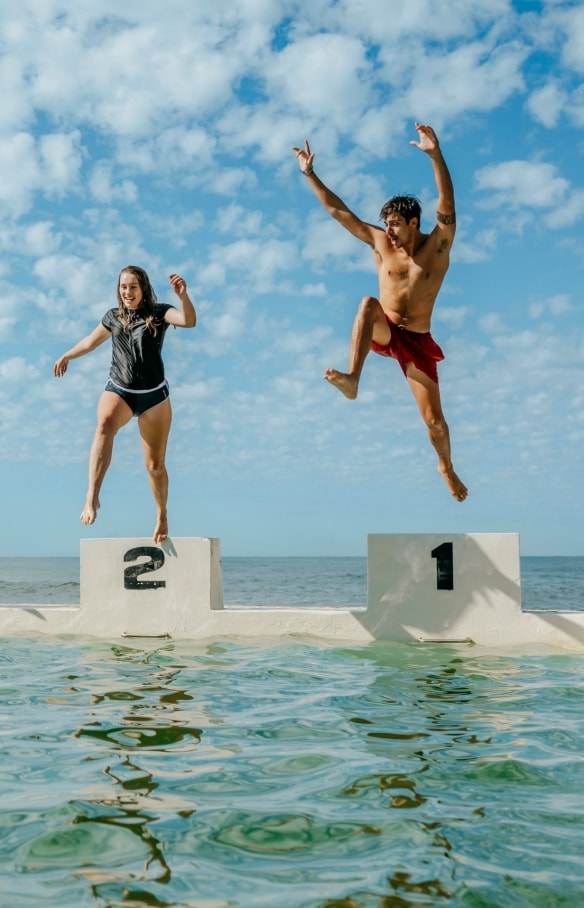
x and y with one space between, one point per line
89 512
456 485
347 384
161 529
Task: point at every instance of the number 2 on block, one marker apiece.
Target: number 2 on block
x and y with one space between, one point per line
132 573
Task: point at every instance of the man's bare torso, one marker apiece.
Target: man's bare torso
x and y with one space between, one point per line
409 284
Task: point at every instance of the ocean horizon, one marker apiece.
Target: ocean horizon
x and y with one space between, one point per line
547 582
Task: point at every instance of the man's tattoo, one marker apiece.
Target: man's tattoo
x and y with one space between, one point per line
446 218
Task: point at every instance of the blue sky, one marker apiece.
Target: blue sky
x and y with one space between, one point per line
160 134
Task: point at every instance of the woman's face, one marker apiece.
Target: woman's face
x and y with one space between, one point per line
130 290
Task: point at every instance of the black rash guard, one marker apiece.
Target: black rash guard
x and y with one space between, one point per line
136 351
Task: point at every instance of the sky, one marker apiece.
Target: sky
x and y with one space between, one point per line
161 133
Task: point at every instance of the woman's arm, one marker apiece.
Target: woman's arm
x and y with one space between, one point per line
185 317
86 345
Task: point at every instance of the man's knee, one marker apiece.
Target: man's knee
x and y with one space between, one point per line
369 306
435 422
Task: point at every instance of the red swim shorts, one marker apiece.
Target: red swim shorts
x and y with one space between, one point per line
412 347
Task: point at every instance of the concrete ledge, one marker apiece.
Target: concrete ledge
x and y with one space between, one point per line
421 588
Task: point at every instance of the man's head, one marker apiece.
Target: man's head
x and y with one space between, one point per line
407 205
401 216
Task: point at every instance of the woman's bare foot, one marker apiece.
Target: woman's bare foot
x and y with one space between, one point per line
89 512
161 529
347 384
456 485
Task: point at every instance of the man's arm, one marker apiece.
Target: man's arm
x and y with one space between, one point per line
445 213
331 202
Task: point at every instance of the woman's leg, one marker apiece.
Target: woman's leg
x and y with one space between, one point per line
154 427
112 414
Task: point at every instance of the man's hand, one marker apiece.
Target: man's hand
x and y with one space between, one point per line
428 141
305 157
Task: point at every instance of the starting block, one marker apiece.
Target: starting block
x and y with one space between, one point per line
457 588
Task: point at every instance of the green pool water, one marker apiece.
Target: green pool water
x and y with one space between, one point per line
293 776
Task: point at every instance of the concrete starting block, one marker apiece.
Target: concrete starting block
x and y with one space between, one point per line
420 587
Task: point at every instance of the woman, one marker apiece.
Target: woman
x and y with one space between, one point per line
136 385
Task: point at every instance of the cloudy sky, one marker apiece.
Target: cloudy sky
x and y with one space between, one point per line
160 134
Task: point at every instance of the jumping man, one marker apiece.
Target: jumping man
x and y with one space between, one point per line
411 267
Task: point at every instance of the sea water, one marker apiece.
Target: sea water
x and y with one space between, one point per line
554 582
293 775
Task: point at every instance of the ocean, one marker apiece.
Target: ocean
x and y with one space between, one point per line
553 582
227 775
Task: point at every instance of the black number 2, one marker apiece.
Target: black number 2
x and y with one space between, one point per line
444 566
131 574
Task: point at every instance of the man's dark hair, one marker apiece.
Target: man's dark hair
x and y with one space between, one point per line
407 205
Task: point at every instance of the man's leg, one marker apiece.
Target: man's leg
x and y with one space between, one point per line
427 396
370 324
154 427
112 414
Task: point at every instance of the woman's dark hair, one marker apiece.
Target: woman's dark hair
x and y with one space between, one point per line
407 205
147 304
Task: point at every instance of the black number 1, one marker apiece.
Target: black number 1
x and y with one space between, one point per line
444 566
131 574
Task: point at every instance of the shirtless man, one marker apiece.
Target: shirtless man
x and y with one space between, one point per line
411 267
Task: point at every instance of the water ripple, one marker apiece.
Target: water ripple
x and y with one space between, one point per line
382 776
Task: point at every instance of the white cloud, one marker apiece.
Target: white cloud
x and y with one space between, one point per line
325 241
314 289
7 324
49 164
514 184
475 76
558 305
492 323
573 48
19 172
547 103
322 75
103 188
425 19
453 316
568 211
40 238
17 369
251 262
60 157
478 248
236 220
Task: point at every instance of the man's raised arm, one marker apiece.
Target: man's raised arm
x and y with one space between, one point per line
428 142
331 202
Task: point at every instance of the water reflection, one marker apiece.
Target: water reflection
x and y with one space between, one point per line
292 776
153 722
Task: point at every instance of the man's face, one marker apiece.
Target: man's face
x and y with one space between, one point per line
398 232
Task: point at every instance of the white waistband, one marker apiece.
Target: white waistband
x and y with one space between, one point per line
143 391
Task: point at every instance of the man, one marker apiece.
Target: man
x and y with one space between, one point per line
411 267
